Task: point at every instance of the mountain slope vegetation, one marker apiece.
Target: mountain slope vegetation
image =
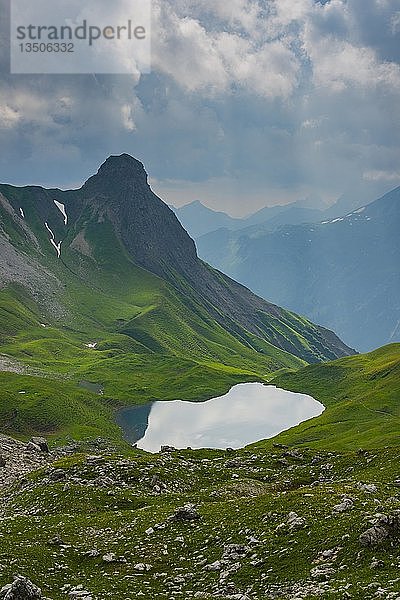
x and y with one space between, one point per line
101 291
361 395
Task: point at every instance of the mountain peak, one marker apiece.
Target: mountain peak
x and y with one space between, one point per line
119 168
122 163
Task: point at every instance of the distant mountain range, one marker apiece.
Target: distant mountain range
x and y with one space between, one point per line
342 272
199 220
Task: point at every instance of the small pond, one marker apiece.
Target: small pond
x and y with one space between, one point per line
249 412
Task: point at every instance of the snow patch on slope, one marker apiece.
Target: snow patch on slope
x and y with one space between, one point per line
61 208
53 240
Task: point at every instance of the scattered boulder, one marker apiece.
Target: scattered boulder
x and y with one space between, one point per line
110 557
188 512
233 552
21 589
56 541
41 443
32 447
385 526
57 475
293 453
377 564
149 531
215 566
322 572
157 485
294 521
345 505
79 593
374 536
368 488
328 555
142 567
2 461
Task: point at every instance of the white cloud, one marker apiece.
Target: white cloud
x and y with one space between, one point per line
216 61
337 65
389 176
287 11
9 117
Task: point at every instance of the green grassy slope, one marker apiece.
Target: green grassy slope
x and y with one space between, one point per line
150 342
244 498
362 399
150 345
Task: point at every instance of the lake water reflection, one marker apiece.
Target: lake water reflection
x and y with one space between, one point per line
247 413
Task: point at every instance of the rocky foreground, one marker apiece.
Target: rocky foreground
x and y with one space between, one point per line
89 522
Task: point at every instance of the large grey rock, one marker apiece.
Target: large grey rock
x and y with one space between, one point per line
21 589
343 506
384 526
374 536
186 513
294 521
41 443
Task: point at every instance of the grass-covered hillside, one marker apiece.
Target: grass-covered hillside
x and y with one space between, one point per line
104 302
279 524
362 399
307 520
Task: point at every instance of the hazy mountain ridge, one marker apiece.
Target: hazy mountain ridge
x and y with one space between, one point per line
200 220
342 272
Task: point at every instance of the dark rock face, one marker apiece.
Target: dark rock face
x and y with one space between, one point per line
186 513
41 443
148 228
156 241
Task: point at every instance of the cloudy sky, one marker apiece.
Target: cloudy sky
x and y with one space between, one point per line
249 103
